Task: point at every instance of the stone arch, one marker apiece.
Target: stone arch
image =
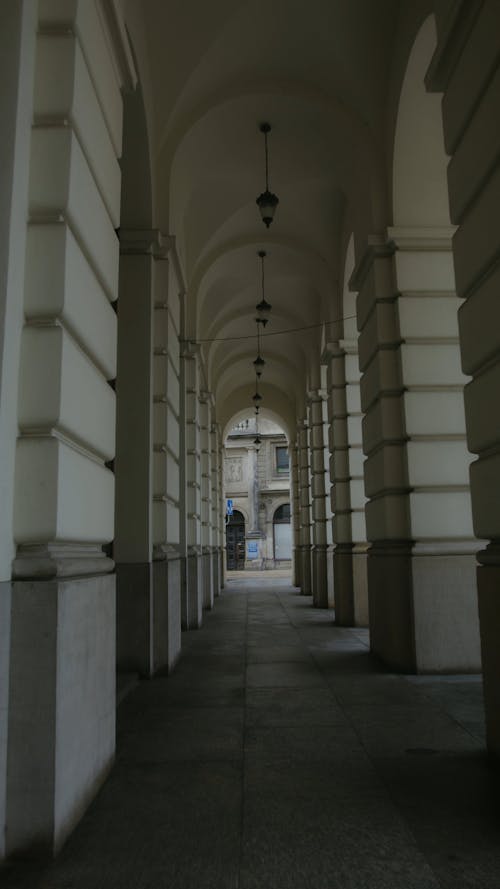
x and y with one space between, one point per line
419 187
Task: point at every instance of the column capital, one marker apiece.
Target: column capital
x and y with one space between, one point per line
315 395
378 247
206 397
145 242
428 238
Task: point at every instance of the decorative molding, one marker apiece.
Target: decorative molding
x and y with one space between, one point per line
377 248
431 238
50 560
145 242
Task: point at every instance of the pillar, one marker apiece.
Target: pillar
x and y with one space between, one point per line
318 493
147 458
347 491
423 614
468 33
192 604
305 509
17 61
215 505
62 657
206 498
295 512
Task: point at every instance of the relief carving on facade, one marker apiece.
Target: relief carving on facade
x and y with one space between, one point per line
233 470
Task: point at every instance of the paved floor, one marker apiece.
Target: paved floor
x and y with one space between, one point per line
280 755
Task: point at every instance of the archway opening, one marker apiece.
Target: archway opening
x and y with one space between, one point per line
257 486
235 541
282 533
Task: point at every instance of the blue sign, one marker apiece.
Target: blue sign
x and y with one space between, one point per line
252 549
229 507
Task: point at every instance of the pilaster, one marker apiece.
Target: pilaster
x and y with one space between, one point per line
62 640
418 514
296 517
319 519
206 405
192 605
305 509
472 138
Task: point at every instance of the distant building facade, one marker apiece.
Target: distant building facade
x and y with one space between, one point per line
257 481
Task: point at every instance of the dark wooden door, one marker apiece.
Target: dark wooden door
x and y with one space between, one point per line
235 542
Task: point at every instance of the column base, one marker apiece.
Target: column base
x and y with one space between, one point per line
488 582
192 605
296 562
330 576
343 582
5 612
423 609
320 576
360 584
62 707
305 571
149 615
215 572
207 574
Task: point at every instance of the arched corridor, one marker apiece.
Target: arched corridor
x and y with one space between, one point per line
276 213
281 753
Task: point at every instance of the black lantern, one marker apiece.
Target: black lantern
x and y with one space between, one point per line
263 308
267 201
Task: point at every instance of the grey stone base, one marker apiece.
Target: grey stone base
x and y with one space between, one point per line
148 616
5 610
360 586
305 571
61 708
330 577
343 583
320 576
215 572
351 585
192 605
488 582
296 561
423 611
207 574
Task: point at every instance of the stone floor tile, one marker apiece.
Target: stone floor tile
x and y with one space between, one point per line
283 675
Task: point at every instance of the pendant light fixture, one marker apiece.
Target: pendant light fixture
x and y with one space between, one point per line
263 308
267 201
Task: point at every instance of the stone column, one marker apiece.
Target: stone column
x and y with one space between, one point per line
192 604
421 563
215 501
166 456
17 69
319 531
347 491
295 498
62 666
305 509
147 458
472 132
206 497
221 534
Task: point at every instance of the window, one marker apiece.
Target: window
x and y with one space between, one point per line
282 465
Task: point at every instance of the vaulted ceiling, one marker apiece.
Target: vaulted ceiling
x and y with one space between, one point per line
324 74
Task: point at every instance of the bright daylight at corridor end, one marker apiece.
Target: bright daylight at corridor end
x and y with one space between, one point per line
250 444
